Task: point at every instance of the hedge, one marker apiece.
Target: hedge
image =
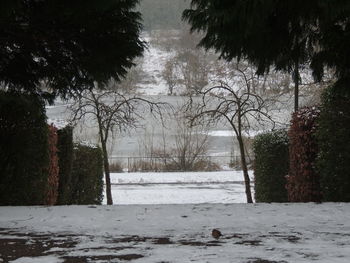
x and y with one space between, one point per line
271 166
303 182
87 175
53 170
333 137
24 155
65 161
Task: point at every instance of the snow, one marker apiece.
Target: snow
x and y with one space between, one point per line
87 144
179 194
230 133
58 123
45 259
178 177
178 187
153 65
222 133
182 233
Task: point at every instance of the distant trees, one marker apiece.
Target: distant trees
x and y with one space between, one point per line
170 75
189 68
66 44
279 33
194 70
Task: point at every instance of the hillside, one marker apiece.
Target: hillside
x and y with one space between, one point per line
162 14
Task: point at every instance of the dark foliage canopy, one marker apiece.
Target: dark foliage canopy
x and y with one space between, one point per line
276 32
66 44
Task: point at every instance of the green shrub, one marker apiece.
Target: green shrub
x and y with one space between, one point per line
303 181
24 152
87 175
333 137
65 161
271 166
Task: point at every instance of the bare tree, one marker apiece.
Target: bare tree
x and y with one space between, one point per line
183 148
129 83
194 70
234 101
189 69
169 74
191 144
112 111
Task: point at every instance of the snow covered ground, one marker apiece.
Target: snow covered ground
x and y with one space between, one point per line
178 177
170 219
259 233
178 188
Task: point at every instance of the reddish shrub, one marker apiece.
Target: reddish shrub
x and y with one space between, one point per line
52 186
303 182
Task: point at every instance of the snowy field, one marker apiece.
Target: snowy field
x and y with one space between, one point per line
178 188
169 218
257 233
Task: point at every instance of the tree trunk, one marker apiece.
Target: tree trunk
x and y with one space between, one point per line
248 191
107 173
296 86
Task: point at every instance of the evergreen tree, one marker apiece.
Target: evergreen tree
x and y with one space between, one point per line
281 33
334 41
66 44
